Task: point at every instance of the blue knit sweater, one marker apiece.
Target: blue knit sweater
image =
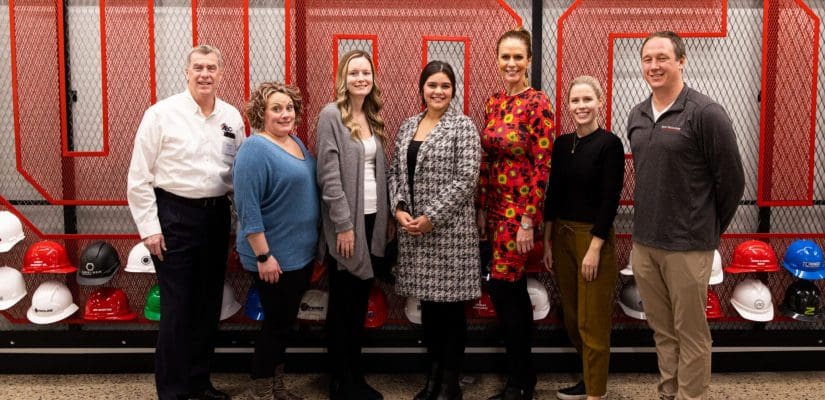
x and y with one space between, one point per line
275 193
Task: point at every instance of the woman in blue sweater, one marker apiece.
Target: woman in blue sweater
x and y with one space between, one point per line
277 203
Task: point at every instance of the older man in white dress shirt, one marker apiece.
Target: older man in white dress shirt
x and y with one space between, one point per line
179 177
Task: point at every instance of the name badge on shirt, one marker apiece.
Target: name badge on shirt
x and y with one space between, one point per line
229 149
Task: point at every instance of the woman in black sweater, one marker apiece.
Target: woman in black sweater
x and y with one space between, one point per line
583 196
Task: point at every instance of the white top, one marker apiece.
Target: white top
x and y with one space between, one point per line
183 152
657 114
370 195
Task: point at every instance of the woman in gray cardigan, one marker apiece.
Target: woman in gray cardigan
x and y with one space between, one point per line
354 213
432 183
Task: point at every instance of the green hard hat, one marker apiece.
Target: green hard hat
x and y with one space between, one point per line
152 308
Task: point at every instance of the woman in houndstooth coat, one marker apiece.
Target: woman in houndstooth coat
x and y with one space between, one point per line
432 184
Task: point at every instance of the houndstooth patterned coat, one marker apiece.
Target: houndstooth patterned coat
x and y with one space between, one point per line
442 265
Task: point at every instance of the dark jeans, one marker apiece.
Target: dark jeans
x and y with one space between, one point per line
280 302
445 332
191 278
515 316
348 297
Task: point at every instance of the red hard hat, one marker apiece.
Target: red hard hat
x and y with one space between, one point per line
377 311
234 262
483 306
318 270
47 257
753 256
713 309
108 304
535 257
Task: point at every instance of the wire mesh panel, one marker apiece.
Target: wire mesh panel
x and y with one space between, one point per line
455 53
173 38
789 58
314 23
85 76
266 42
223 23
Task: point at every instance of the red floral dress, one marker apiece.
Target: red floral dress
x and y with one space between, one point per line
517 141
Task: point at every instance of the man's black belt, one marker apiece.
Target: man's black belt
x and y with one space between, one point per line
205 202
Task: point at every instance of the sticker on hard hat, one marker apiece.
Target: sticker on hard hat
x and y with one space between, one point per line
48 310
810 264
759 304
90 266
307 307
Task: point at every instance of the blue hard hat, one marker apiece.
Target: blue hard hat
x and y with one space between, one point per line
803 259
254 309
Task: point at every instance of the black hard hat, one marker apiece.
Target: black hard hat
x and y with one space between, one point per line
98 264
803 302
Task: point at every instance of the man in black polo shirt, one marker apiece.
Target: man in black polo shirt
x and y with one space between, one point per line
689 181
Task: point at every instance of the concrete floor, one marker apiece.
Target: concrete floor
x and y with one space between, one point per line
733 386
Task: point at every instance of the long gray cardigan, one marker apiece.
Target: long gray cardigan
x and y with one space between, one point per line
341 179
442 265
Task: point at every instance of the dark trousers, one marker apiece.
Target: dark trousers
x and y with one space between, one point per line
515 316
191 278
348 297
445 332
280 302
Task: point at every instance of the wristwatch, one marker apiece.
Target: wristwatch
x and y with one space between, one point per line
526 226
263 257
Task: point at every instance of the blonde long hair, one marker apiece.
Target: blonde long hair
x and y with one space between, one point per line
372 103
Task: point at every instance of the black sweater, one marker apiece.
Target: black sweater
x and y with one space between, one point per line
586 180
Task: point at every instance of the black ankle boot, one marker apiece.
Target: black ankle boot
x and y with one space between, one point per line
449 388
431 386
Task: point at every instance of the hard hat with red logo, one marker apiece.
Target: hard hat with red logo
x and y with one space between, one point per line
539 298
108 304
713 309
483 307
51 302
377 311
47 256
753 256
11 231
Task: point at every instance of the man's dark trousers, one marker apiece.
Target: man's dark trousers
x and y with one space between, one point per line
191 277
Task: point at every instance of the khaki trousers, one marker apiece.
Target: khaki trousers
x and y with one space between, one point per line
673 286
586 306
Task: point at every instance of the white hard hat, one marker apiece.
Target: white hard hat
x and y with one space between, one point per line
12 287
51 302
313 305
229 305
752 300
716 273
538 298
11 231
631 302
413 310
140 260
627 270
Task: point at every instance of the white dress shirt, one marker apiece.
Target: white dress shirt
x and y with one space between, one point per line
183 152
